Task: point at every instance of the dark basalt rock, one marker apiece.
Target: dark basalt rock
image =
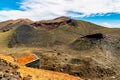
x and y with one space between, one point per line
96 36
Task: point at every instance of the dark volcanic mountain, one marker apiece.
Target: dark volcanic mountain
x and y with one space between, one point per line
66 45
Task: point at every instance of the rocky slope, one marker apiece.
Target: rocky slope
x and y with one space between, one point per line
8 71
12 71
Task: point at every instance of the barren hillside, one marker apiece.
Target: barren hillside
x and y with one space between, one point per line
28 73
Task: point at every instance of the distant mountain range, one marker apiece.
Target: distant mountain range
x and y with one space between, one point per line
62 30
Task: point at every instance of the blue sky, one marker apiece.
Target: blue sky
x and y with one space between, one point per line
102 12
109 19
10 4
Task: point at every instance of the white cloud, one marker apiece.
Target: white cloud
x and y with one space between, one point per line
111 25
48 9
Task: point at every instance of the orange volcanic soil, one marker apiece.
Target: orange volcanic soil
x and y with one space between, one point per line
26 59
38 74
45 75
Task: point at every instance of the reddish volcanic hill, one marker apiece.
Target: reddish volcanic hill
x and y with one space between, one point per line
52 24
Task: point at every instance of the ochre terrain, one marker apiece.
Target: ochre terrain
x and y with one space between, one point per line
38 74
26 59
